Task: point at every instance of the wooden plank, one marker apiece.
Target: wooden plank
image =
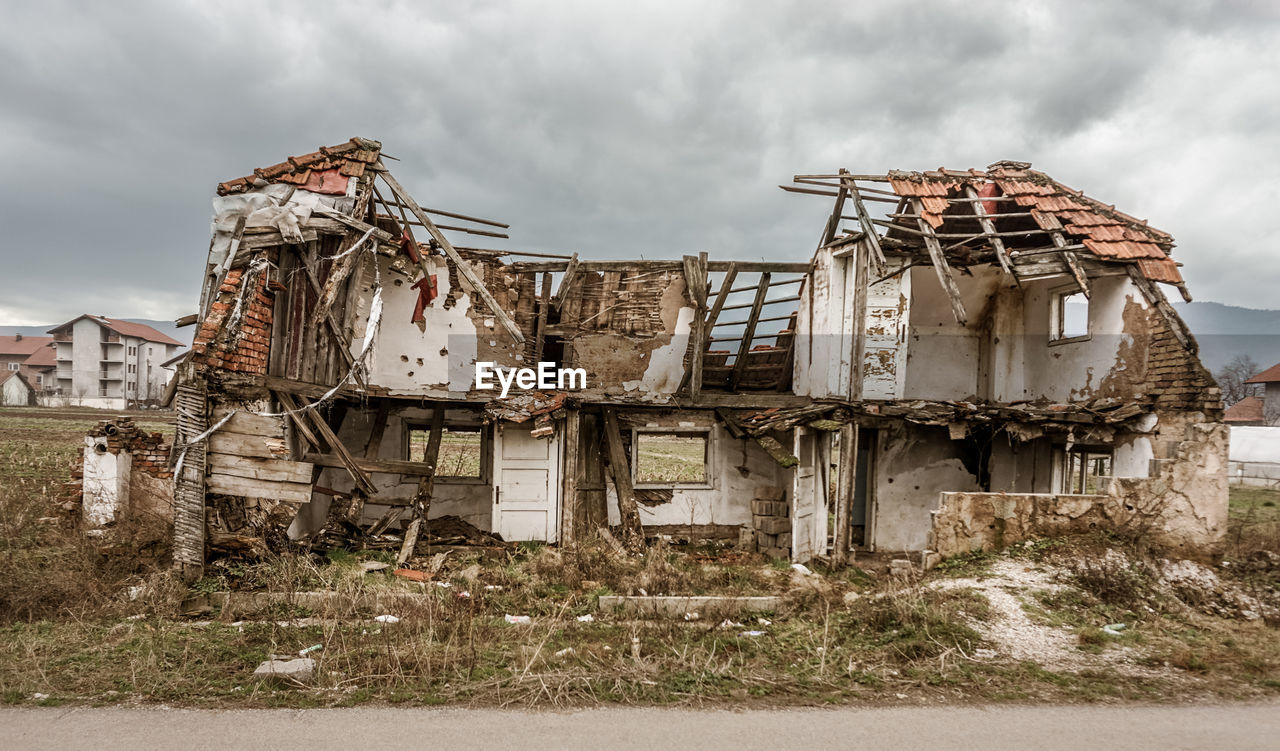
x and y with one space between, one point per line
989 228
248 488
362 480
572 468
845 484
344 346
463 268
833 221
730 274
741 361
291 409
544 304
386 466
275 470
864 219
941 267
862 281
239 444
698 331
427 483
1051 223
566 282
250 423
620 469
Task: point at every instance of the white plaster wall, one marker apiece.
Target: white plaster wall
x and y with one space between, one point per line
728 500
911 467
86 354
406 358
16 393
1132 456
666 363
105 484
1072 371
943 356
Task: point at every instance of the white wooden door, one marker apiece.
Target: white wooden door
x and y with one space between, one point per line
810 484
526 484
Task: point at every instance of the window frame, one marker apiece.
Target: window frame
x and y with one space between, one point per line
703 432
1062 467
486 450
1057 315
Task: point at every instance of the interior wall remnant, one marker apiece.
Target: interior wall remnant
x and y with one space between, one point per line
936 337
1182 505
985 522
736 468
125 474
912 466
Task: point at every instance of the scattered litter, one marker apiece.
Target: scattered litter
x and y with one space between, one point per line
691 616
1114 629
39 697
764 621
751 633
566 652
387 619
901 696
310 649
588 618
463 595
371 566
643 593
518 620
411 575
493 587
137 617
801 569
444 585
726 623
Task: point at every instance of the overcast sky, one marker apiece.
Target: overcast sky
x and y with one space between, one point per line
619 129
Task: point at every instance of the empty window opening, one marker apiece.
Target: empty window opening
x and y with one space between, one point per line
670 458
462 451
1070 316
1085 471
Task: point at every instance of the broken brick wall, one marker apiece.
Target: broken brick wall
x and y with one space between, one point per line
126 474
236 334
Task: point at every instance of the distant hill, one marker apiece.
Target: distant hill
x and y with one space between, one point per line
164 327
1225 331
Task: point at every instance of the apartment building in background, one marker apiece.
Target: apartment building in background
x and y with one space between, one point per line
109 363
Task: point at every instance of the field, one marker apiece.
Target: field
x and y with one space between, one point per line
83 623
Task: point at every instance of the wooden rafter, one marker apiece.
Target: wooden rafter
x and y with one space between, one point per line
620 469
463 268
989 230
740 362
864 218
940 265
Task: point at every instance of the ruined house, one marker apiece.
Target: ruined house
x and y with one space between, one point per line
969 358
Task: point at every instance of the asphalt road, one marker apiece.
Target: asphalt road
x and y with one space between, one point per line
933 729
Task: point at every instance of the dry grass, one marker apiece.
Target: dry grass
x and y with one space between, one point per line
83 625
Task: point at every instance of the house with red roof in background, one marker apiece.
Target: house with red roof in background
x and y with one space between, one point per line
110 363
32 357
1260 410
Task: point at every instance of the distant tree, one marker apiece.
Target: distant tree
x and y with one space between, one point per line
1232 376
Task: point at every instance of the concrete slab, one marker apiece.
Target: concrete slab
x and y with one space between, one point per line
676 606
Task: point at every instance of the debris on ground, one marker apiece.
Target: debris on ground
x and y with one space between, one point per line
518 620
298 670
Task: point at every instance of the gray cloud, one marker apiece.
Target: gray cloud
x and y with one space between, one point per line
653 130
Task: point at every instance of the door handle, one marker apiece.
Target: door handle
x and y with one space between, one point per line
497 495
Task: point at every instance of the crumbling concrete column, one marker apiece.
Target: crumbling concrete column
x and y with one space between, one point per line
106 481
